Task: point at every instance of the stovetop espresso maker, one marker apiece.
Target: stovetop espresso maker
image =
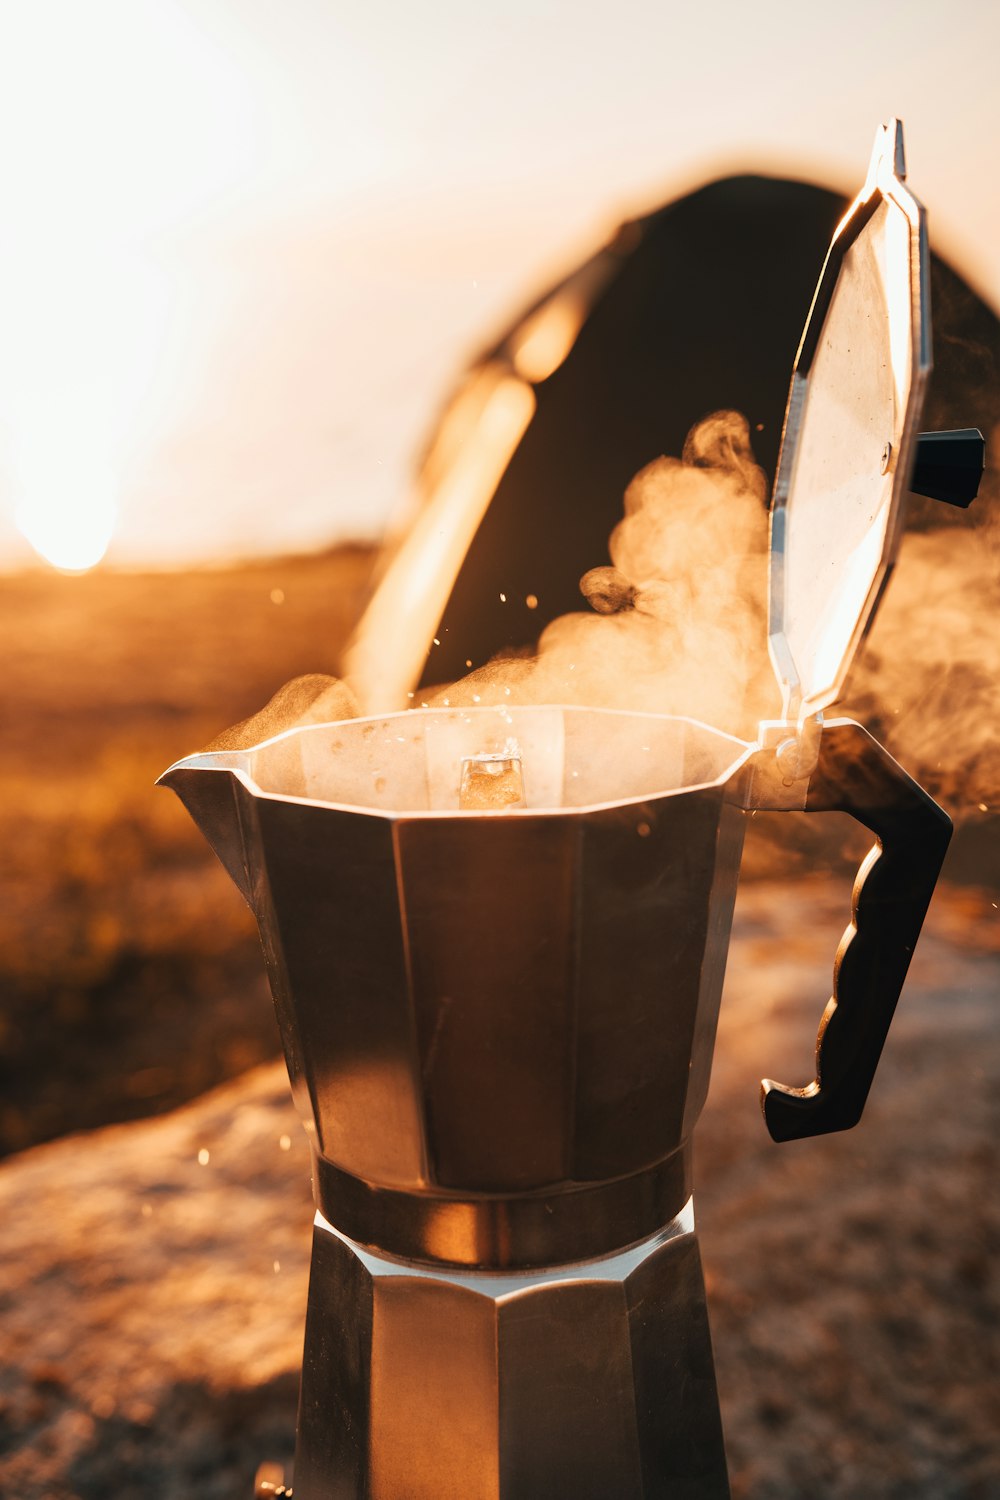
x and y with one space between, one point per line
496 939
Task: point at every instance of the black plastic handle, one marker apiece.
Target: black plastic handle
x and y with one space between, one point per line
949 465
891 895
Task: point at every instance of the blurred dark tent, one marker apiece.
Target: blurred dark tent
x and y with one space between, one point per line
696 307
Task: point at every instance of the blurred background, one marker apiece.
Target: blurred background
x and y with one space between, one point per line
248 250
247 246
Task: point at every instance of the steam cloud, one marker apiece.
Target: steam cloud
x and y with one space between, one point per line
313 699
677 625
927 683
678 622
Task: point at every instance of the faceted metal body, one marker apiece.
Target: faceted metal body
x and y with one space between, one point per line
499 1029
586 1381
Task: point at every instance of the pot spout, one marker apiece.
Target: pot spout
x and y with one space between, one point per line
208 787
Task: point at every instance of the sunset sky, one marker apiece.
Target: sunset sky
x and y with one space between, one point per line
247 243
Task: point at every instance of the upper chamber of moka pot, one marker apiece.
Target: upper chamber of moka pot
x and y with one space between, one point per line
497 936
479 998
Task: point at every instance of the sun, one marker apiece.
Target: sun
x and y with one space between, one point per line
138 122
70 518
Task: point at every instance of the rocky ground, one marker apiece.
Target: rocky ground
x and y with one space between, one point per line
853 1281
153 1281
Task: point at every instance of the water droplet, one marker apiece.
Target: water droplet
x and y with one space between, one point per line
203 1157
532 601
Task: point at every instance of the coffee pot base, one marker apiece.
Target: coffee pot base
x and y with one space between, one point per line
435 1383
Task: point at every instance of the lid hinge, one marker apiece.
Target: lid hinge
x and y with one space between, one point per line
786 757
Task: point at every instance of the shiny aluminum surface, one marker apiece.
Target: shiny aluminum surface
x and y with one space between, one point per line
592 1381
499 1030
499 1027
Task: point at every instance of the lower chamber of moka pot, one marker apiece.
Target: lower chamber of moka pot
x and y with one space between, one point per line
590 1380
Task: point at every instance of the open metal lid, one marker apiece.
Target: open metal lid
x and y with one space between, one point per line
850 429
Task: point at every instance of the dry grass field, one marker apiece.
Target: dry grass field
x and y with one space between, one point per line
129 970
